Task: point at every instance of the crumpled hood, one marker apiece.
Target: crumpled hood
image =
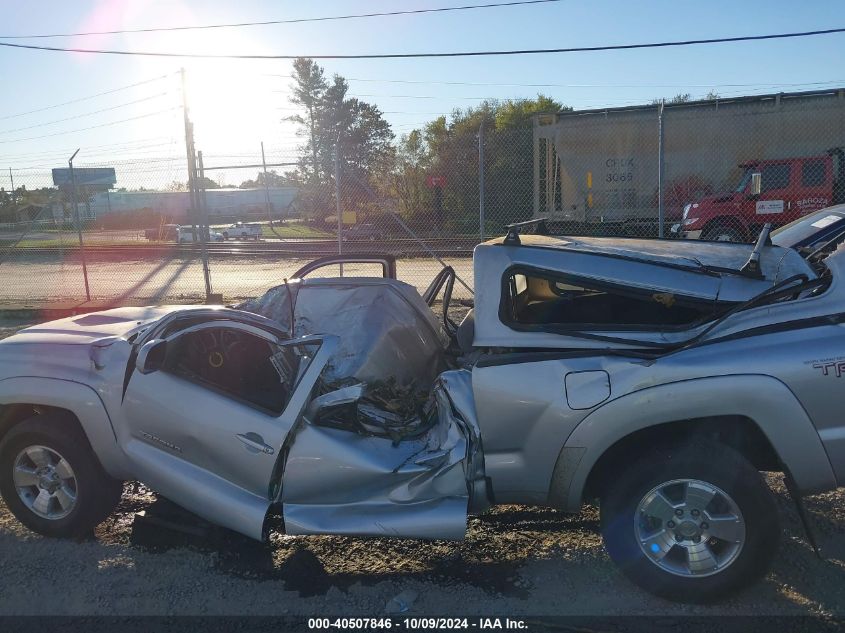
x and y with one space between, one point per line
84 329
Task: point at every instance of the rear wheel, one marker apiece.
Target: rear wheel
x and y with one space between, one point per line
691 524
51 479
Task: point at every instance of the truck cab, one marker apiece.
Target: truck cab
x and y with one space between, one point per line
776 191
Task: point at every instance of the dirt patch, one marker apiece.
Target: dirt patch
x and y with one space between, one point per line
10 326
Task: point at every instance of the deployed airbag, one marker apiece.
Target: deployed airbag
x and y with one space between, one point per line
386 330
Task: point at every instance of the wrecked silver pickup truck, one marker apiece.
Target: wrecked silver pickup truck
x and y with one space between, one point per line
658 377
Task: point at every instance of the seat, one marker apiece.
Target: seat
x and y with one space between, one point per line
466 332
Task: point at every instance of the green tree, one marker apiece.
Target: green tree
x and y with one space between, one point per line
684 97
309 88
330 121
449 149
207 183
274 179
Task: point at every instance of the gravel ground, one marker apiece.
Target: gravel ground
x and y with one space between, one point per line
514 561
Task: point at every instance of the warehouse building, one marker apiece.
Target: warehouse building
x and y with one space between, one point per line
175 204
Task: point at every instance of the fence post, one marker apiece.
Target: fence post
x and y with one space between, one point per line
660 169
203 218
266 185
481 180
337 200
78 225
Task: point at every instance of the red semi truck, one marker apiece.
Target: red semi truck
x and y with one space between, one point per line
777 191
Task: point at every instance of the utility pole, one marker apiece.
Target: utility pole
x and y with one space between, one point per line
481 180
196 197
191 156
78 225
12 179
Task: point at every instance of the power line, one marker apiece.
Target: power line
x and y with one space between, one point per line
410 96
528 51
99 94
467 7
129 163
382 111
125 145
548 85
84 114
111 157
134 118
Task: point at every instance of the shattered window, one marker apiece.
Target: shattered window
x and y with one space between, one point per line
536 299
240 365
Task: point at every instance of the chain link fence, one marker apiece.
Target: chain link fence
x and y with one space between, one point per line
686 169
660 170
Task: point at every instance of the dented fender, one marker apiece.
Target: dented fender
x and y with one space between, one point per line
83 401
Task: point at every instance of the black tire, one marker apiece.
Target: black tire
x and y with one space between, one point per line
97 494
708 462
724 232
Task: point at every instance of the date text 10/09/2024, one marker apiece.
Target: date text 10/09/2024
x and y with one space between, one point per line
417 623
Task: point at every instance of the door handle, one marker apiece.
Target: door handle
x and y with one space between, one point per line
254 442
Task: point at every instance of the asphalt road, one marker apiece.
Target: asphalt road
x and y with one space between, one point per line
42 281
518 561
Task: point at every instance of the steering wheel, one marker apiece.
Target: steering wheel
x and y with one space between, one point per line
215 347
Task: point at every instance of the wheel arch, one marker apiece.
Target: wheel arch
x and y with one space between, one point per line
735 431
22 397
756 414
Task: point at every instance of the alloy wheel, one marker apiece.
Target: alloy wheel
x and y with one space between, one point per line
45 482
689 527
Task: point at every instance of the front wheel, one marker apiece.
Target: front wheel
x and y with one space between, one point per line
691 524
51 480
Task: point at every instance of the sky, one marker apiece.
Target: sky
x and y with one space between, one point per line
238 104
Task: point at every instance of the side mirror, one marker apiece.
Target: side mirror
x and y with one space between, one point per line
151 356
328 401
756 183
